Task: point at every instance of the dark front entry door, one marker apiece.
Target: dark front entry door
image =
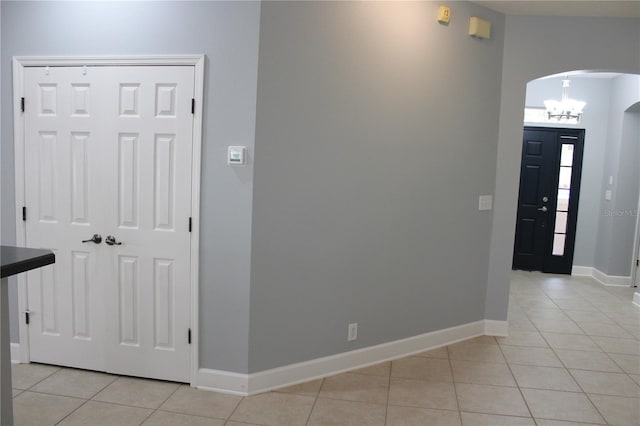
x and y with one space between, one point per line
548 199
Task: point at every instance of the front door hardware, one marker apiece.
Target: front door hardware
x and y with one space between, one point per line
97 238
111 241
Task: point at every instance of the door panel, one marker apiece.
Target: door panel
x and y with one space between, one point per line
548 199
109 152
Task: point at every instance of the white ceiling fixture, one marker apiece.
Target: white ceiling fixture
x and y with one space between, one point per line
608 9
566 109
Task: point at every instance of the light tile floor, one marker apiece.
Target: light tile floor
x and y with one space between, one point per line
572 357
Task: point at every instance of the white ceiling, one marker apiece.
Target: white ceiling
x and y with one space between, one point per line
603 8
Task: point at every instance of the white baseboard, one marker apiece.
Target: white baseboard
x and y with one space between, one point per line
636 299
582 271
601 277
15 353
249 384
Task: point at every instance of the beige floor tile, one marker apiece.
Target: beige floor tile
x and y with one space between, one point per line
557 326
187 400
333 412
580 316
382 369
441 353
77 383
552 313
547 422
551 378
523 338
164 418
356 387
34 409
476 419
581 360
476 352
137 392
568 406
421 393
412 416
483 340
16 392
306 389
103 414
543 357
597 382
635 378
274 409
618 410
23 376
491 400
521 324
482 373
618 346
421 368
574 304
578 342
629 363
605 330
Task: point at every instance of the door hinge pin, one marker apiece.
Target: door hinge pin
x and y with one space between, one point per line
22 104
193 105
637 262
26 317
24 213
189 224
189 336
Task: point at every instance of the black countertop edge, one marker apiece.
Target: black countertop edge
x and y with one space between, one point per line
15 260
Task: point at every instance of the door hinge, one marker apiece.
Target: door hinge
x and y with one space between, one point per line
193 105
24 213
189 336
189 224
22 104
26 317
637 262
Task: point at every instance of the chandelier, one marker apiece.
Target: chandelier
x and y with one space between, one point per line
566 109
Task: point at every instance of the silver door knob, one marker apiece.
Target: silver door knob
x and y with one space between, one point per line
543 209
97 238
111 240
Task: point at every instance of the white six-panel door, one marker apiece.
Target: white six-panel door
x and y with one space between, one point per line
108 151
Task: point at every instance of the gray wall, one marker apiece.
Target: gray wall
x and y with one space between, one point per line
227 32
376 133
535 47
617 217
595 120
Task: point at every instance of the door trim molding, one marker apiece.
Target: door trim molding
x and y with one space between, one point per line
195 60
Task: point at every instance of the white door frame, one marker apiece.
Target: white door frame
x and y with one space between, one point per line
197 61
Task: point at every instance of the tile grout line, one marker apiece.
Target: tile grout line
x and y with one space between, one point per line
569 371
513 376
453 380
313 406
386 409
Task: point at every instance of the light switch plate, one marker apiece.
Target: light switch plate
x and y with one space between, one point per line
236 156
607 195
485 202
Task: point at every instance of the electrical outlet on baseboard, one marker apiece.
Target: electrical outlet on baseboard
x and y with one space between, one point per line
352 333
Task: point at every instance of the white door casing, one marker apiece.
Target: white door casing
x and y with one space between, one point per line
126 118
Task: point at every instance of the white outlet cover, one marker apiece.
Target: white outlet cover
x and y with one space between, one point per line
607 195
485 202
